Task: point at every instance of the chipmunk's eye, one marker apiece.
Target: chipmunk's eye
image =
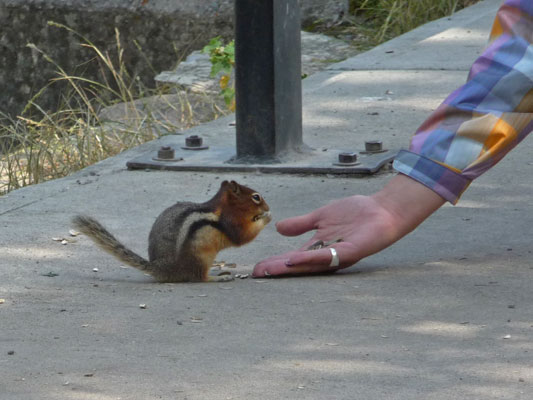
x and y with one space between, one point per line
256 198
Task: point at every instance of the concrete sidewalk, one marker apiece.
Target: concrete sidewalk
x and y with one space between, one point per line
446 313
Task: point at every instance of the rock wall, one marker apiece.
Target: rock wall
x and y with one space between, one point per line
165 30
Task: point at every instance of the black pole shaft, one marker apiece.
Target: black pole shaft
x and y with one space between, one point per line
267 79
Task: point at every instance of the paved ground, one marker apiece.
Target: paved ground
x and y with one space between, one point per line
444 314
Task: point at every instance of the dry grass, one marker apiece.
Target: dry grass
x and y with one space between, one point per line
96 120
371 22
394 17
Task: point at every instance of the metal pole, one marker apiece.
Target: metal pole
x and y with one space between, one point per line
267 80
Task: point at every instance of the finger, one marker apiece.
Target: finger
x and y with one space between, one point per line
297 225
278 267
310 257
270 267
294 262
273 265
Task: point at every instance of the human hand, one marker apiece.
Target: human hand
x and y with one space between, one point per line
363 225
366 225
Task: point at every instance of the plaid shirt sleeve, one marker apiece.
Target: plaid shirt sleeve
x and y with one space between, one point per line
479 123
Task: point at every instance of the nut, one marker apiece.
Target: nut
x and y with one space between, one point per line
193 141
347 158
373 146
165 153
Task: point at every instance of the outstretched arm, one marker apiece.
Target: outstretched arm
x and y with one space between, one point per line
366 225
473 129
479 123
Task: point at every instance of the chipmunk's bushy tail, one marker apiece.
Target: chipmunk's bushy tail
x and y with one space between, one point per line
106 241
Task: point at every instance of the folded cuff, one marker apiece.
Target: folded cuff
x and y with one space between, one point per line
445 182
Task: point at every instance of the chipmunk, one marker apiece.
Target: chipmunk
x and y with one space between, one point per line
186 237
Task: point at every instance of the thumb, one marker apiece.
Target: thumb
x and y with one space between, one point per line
296 225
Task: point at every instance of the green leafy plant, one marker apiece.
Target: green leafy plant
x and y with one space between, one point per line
222 57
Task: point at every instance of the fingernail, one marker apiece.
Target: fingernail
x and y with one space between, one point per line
288 263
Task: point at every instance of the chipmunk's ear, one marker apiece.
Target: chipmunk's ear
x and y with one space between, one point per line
232 186
235 187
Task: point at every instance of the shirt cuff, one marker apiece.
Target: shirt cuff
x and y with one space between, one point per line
445 182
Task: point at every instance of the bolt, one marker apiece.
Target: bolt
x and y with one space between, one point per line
165 153
373 146
347 158
193 141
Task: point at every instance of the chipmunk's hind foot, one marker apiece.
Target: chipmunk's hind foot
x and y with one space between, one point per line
220 278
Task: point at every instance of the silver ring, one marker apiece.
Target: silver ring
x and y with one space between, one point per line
334 258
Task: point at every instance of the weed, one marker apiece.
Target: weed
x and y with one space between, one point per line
222 57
